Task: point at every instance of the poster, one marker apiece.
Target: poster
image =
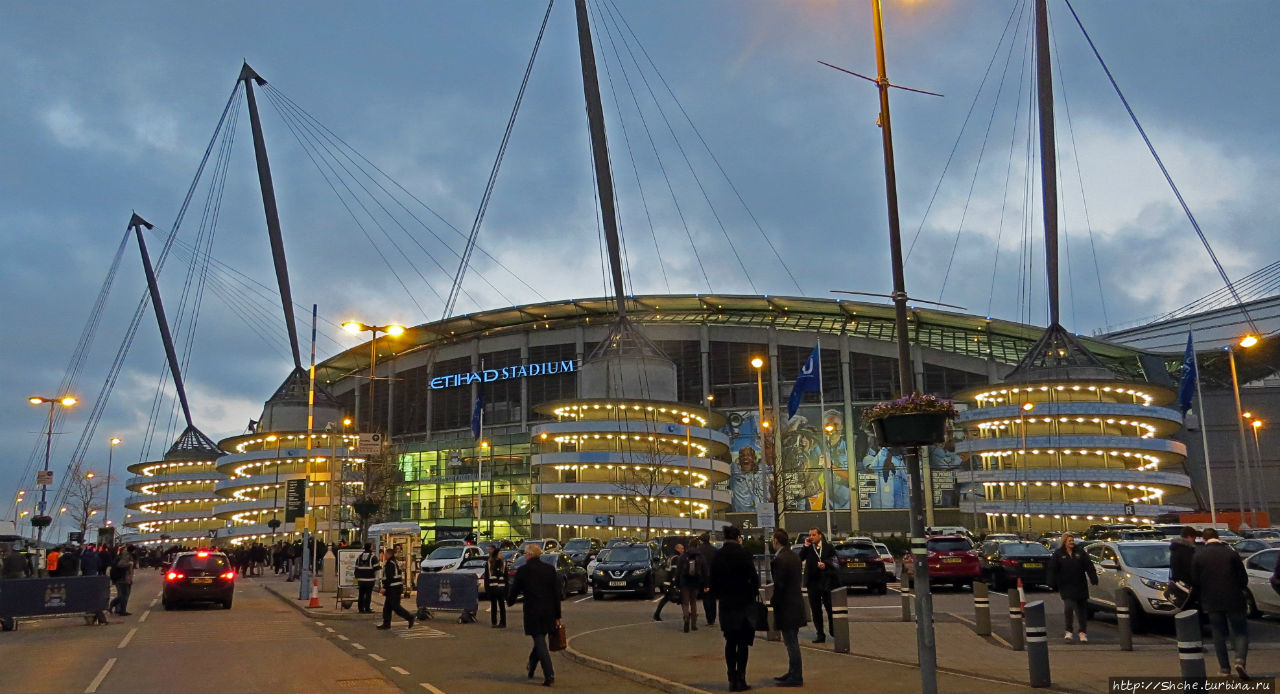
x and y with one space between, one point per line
347 567
891 489
811 441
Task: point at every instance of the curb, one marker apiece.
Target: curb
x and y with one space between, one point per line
353 616
637 676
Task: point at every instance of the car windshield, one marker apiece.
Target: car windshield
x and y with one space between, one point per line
473 563
1023 549
856 549
604 555
446 553
620 554
951 544
549 559
195 562
577 544
1145 556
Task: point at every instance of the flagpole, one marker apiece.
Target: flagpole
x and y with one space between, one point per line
480 481
1204 427
825 449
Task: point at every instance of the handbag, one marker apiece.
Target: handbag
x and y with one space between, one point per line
559 639
759 615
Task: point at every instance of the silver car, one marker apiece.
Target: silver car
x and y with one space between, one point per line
1263 598
1138 568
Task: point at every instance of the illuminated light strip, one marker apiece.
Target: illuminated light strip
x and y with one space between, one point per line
609 466
1154 491
240 447
578 410
993 395
575 438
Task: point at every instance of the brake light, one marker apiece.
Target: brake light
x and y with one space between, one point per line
202 554
1008 562
173 575
228 575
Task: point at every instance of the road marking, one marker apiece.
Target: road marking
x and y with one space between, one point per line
319 624
656 599
127 637
329 629
153 602
144 616
377 657
102 674
583 599
430 688
878 607
399 669
357 646
343 637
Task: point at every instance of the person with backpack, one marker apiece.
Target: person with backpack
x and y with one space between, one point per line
692 578
121 575
366 574
670 591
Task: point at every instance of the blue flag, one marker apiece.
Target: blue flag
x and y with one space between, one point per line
477 415
1187 389
810 379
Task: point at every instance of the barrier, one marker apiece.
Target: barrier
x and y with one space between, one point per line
1037 645
981 609
1017 639
908 597
448 591
58 595
1124 622
840 617
1190 647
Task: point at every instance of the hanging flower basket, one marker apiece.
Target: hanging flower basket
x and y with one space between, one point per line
366 507
273 523
912 420
41 521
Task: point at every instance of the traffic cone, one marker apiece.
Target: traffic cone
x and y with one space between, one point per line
1022 595
315 593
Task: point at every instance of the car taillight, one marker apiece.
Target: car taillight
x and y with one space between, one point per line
173 575
228 575
202 554
1008 562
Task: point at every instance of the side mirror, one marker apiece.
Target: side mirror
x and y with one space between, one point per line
1109 564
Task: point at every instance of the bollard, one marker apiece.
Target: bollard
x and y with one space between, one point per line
1124 622
1190 647
840 612
908 598
766 593
1016 635
808 610
1037 644
981 609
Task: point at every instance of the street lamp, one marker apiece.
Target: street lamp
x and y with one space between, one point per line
355 328
1256 425
758 364
1245 342
1026 491
275 493
66 401
106 510
688 464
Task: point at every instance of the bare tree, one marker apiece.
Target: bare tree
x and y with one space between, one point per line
655 471
85 493
380 479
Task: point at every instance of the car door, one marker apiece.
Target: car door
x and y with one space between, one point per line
1260 567
1110 575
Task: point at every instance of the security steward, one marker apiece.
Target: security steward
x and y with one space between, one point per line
393 588
495 587
820 572
366 576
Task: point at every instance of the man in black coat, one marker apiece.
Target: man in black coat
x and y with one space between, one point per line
819 559
392 590
788 606
1218 575
1070 572
708 552
540 585
735 584
1182 550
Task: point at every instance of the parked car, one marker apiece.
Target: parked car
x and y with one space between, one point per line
476 567
1265 534
1002 537
201 576
484 545
890 566
1249 546
593 561
573 578
449 557
951 530
860 564
1139 568
582 549
1262 597
547 544
952 559
635 568
615 541
1003 563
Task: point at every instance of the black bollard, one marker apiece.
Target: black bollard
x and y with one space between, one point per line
1016 636
1124 622
1190 647
981 609
840 617
1037 644
766 594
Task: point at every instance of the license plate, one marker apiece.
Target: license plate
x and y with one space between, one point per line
202 580
618 584
856 564
1033 565
951 560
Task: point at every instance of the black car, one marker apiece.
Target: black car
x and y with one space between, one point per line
634 568
582 549
573 578
1003 563
860 564
202 576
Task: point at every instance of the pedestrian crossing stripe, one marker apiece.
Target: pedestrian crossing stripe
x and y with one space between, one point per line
423 633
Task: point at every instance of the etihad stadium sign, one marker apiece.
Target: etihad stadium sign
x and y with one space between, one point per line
544 368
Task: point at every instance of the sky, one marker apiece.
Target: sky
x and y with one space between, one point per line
109 109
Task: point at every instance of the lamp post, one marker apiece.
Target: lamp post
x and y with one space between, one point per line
688 464
66 401
1245 342
275 491
758 364
106 505
1026 490
1256 424
356 327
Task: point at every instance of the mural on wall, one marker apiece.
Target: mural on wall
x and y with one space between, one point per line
809 440
882 479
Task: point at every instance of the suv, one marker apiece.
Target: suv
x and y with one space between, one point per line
201 576
860 564
1139 568
582 549
632 568
952 559
547 544
1004 563
449 557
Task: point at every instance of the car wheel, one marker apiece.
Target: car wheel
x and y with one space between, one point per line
564 589
1137 617
226 604
997 581
167 605
597 595
1251 606
583 591
649 591
882 588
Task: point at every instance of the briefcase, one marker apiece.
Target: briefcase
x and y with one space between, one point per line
559 639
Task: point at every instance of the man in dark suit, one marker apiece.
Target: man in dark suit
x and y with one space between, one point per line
1219 578
735 584
708 551
819 567
538 582
788 606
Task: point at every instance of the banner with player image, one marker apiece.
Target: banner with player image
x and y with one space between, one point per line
803 483
882 479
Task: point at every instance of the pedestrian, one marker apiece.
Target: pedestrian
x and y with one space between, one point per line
51 562
89 561
691 578
12 564
495 587
393 589
670 589
708 552
819 559
1220 581
735 584
121 575
537 581
1070 572
366 575
1182 550
788 606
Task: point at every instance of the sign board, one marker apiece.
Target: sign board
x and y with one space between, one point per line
370 444
764 514
602 520
1128 509
347 567
44 477
295 500
544 368
75 536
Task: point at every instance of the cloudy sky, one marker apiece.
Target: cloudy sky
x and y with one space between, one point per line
109 109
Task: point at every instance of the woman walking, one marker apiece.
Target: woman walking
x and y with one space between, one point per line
538 582
495 586
735 583
1070 572
691 577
